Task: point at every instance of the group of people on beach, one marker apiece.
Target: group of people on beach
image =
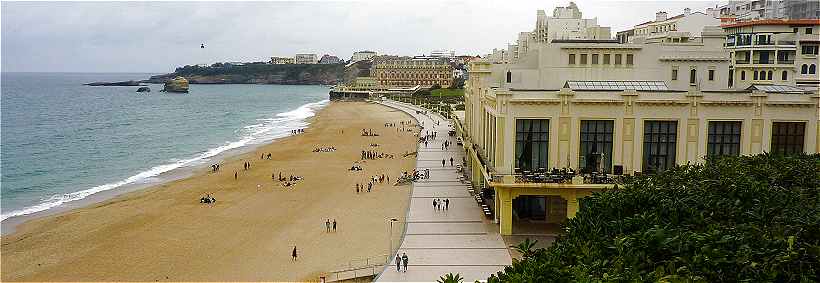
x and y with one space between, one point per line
372 155
441 204
215 167
369 133
286 181
263 156
330 226
207 199
247 165
325 149
297 131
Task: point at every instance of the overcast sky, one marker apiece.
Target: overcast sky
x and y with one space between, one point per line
159 36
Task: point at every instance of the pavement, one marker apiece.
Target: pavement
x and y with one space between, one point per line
458 240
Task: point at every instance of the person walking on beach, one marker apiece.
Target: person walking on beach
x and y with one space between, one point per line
404 260
398 263
294 254
334 225
327 225
235 175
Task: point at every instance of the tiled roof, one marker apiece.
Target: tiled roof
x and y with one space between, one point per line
773 22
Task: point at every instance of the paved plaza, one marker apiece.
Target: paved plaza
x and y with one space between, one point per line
459 240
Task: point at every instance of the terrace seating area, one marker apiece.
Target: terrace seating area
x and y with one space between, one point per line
562 176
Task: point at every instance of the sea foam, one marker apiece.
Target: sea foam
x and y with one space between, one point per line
265 130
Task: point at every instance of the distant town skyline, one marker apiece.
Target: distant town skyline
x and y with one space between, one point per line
156 37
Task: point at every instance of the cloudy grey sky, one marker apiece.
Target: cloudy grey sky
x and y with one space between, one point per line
158 36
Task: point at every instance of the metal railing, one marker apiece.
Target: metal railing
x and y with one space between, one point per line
785 42
359 267
785 61
764 61
741 61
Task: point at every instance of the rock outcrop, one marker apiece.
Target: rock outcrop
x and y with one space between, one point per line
144 89
178 84
295 74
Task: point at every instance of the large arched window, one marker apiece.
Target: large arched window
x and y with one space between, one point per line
804 69
812 69
509 77
784 76
770 75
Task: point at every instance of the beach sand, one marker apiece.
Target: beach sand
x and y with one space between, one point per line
163 233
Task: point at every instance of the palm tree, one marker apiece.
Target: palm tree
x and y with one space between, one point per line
526 248
450 278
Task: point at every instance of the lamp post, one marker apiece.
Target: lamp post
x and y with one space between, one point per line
390 239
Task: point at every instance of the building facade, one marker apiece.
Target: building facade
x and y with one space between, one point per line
745 10
412 72
362 55
281 60
679 28
330 59
773 52
305 58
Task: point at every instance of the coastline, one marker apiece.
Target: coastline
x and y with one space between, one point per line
41 230
189 167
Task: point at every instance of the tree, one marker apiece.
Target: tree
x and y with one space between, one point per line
731 219
450 278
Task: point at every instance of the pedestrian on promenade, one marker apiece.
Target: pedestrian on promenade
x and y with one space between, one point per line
334 225
404 260
443 162
327 225
446 204
451 161
398 263
294 254
434 204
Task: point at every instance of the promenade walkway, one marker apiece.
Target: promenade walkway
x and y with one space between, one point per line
459 240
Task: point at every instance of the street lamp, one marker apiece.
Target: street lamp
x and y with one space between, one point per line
390 239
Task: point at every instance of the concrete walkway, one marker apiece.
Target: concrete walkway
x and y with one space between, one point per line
459 240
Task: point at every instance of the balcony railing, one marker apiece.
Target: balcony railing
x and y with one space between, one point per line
739 62
785 42
764 43
764 61
558 176
785 61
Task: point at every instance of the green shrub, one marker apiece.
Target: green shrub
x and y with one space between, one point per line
737 219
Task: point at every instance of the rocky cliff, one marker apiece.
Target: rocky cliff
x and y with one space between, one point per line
325 74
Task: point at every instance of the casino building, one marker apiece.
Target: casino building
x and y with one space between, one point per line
568 116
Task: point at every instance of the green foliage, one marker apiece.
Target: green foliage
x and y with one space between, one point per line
447 92
526 248
288 71
450 278
733 219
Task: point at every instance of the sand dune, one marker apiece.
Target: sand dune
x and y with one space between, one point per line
163 233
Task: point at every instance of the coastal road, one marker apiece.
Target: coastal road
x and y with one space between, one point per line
459 240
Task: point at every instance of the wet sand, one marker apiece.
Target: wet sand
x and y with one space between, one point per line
164 233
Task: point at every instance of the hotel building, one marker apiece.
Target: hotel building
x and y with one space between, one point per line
412 72
600 107
362 55
305 58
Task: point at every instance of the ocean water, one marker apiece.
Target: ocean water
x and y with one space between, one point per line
61 142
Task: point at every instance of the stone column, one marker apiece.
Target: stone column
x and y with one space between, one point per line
758 126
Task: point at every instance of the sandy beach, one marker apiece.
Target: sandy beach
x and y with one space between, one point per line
164 233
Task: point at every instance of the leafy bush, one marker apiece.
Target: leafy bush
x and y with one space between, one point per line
736 219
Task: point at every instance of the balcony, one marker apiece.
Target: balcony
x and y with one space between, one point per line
785 61
742 62
764 61
785 42
768 42
558 176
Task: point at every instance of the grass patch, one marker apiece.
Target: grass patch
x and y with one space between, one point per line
444 92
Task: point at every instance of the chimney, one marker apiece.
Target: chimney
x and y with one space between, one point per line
687 11
660 16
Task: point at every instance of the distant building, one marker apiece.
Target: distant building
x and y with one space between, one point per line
680 28
362 55
567 23
413 72
746 10
801 9
330 59
305 58
447 54
281 60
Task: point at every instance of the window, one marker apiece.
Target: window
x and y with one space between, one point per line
531 143
794 30
583 59
731 77
674 74
617 59
659 145
787 137
804 69
769 77
711 75
724 138
606 59
596 146
808 30
630 59
509 77
595 59
572 59
755 74
809 49
693 76
742 75
784 76
812 69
